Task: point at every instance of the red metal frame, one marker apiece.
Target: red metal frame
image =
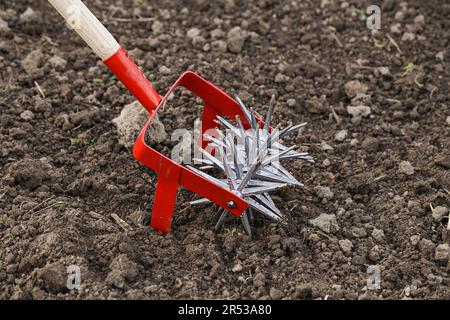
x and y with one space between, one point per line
171 174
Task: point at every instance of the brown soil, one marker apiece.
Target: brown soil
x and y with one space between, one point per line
63 173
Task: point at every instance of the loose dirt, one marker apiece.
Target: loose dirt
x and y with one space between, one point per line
367 204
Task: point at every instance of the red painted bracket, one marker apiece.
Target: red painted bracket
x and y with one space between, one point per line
171 174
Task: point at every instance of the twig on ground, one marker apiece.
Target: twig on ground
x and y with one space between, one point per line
40 204
39 89
337 39
394 43
125 226
335 115
50 206
379 178
49 40
139 19
448 192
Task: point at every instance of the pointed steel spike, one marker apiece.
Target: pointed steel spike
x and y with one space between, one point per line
206 167
284 130
253 118
280 174
253 153
269 113
251 216
262 209
294 128
236 161
260 183
201 160
227 170
246 224
269 199
270 159
247 159
257 138
276 147
268 204
214 160
212 139
286 173
199 201
227 125
221 220
207 176
295 156
274 135
251 170
296 153
263 149
270 176
245 111
241 127
247 192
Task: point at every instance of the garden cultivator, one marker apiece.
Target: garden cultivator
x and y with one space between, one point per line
247 154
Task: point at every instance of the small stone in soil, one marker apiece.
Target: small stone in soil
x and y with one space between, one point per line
442 253
359 232
354 87
439 213
326 222
193 32
32 61
27 115
57 62
385 72
157 27
237 268
236 39
419 20
358 112
414 239
324 192
408 36
346 246
371 144
406 167
219 45
164 70
378 235
426 246
198 42
293 102
4 28
341 135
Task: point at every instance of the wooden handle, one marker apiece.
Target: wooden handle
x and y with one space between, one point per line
83 21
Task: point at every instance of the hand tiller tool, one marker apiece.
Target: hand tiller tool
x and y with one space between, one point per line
250 175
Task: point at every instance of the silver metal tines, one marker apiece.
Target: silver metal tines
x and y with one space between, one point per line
250 154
